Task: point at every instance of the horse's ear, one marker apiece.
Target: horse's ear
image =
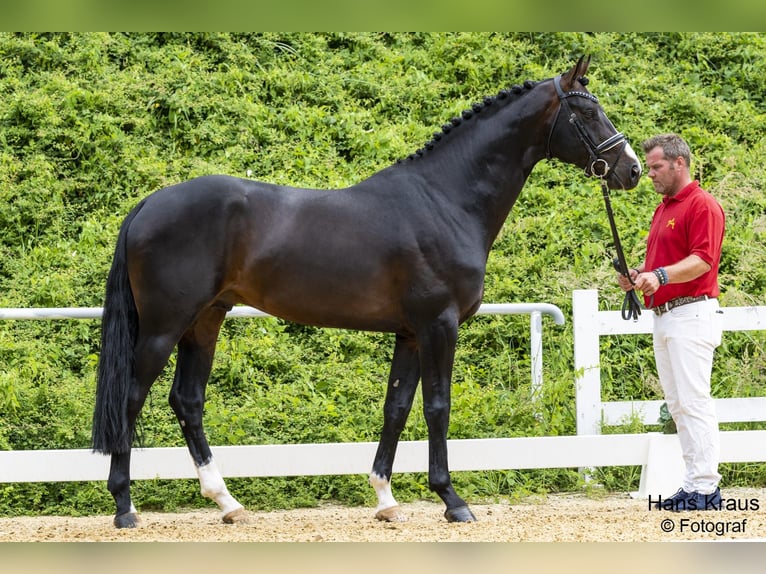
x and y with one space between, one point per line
575 73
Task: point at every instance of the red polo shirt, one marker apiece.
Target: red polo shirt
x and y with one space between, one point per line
691 222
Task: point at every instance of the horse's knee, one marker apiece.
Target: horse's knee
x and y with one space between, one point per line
136 399
436 410
396 417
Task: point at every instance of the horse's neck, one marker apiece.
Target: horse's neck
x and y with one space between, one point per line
483 169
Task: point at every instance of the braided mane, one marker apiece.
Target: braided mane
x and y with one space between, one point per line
475 109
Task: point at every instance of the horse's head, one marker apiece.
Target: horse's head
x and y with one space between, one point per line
581 133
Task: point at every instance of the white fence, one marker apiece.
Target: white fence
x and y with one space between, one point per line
590 325
266 460
658 454
663 467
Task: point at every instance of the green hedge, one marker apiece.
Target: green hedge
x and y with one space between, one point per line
91 123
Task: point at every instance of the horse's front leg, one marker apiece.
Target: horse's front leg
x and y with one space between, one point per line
402 382
187 398
437 354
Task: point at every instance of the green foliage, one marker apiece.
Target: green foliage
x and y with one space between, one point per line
91 123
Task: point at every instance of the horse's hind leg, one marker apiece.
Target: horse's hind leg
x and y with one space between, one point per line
187 398
402 383
150 358
118 485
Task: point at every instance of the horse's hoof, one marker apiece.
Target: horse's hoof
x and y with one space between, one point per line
460 514
127 520
237 516
391 514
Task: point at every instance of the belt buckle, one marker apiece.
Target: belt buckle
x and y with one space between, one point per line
660 310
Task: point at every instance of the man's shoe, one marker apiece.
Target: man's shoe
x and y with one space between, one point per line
673 502
698 501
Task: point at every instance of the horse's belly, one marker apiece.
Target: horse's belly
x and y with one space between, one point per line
329 299
332 313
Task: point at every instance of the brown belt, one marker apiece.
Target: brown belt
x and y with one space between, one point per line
673 303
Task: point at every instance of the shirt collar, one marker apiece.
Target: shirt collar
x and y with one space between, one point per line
684 193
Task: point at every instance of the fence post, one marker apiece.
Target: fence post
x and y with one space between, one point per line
536 352
586 331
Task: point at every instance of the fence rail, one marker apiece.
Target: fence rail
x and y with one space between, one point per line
75 465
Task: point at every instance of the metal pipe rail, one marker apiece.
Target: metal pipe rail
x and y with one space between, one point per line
534 310
45 313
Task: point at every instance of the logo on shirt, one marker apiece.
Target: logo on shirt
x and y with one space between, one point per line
671 223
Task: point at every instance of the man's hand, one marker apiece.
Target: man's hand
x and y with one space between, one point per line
623 281
648 283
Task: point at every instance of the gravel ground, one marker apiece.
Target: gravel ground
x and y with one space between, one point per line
555 518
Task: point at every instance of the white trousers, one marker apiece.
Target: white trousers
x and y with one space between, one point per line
684 341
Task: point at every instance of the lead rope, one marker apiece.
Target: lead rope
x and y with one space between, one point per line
631 306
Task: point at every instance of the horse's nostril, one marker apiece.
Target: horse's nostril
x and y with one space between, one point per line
635 172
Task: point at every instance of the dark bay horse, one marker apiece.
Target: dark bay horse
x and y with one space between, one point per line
403 251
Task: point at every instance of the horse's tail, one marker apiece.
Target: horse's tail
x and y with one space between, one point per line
119 328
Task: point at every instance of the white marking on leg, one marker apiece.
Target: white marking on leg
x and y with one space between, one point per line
212 486
382 488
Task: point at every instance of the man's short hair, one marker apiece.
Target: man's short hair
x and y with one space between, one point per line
672 146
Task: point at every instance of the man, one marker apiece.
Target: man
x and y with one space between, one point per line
679 281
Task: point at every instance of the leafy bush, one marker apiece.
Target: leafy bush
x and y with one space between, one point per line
91 123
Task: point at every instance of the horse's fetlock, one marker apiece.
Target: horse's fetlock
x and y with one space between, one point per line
439 485
213 489
211 493
117 485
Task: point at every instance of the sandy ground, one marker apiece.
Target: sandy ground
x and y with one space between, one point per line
555 518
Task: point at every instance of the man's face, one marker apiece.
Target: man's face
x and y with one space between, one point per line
664 173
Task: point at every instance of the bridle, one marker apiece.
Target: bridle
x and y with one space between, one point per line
599 167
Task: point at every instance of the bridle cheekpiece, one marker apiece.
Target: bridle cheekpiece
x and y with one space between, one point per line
598 166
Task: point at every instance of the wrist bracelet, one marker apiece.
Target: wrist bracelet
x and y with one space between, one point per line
662 275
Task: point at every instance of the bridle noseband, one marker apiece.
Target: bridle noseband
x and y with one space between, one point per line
598 166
